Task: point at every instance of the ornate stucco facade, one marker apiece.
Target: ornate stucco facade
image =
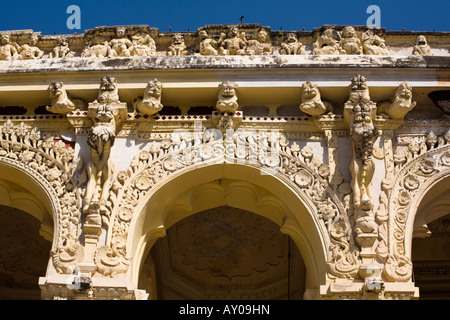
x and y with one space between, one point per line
235 162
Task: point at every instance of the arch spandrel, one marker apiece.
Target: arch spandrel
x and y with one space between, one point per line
422 168
310 207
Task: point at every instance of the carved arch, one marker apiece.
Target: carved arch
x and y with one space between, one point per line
424 170
149 173
45 168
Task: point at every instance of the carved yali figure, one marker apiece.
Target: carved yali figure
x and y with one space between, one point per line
209 46
60 101
234 44
312 103
349 43
120 46
150 104
260 46
401 104
108 92
31 51
177 46
100 139
422 48
374 44
291 45
227 98
8 50
359 91
327 43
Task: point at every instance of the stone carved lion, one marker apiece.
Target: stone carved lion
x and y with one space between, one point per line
359 91
150 104
291 45
108 92
227 98
60 101
312 103
422 47
401 103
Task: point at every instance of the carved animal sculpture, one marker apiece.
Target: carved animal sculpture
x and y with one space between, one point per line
66 258
60 101
291 45
227 98
108 92
359 91
150 104
177 47
100 139
312 103
111 262
401 103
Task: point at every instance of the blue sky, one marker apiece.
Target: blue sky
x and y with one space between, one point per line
50 17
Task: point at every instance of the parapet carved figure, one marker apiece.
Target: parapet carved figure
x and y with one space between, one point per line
150 104
401 103
234 44
62 50
327 43
60 101
120 46
350 43
291 45
312 103
108 92
422 48
209 46
260 46
100 139
31 51
177 46
97 47
374 44
227 98
8 50
143 45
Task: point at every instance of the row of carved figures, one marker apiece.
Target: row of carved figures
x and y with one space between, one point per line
334 42
227 99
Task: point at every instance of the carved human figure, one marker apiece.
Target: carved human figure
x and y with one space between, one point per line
62 50
327 43
260 45
8 51
150 104
350 43
31 51
100 139
373 44
209 46
97 47
401 103
120 46
227 98
177 46
312 103
108 92
142 45
234 44
60 101
291 45
422 48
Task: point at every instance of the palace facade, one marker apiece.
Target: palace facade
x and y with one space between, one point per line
234 162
